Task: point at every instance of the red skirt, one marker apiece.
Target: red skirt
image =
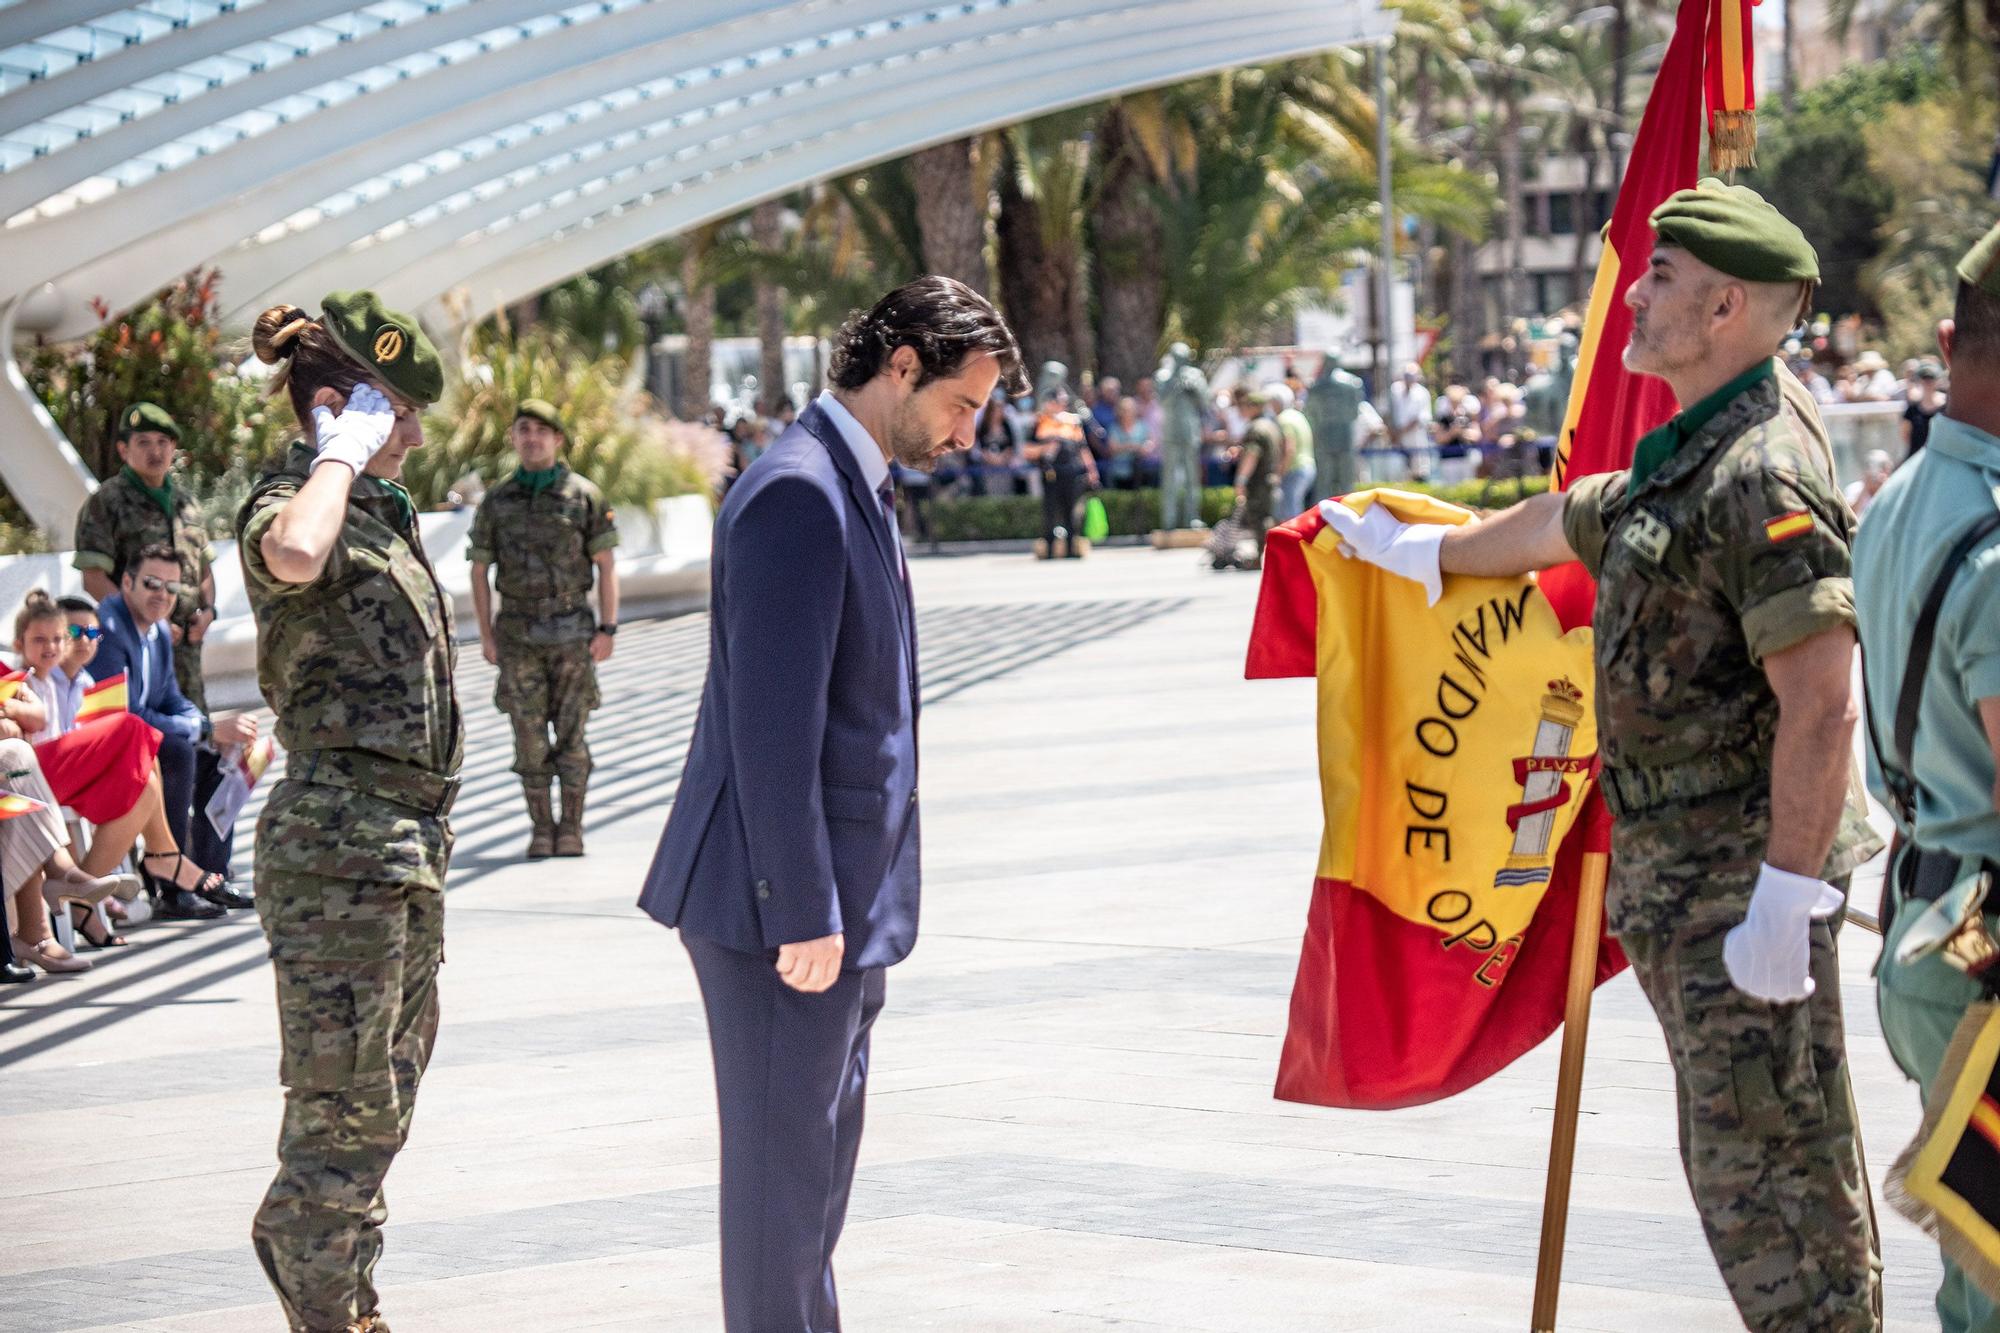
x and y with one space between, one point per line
99 769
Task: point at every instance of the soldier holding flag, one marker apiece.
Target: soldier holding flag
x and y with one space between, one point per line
1724 638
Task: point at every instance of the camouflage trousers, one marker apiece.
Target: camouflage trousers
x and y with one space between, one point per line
356 955
548 692
1768 1134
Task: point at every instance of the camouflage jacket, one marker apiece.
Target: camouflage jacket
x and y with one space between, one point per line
542 543
362 657
120 519
1734 549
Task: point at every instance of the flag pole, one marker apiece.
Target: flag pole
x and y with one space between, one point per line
1569 1085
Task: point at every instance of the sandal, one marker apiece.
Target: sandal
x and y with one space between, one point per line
210 881
82 918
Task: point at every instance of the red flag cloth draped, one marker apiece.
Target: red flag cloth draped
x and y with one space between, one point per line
1381 1016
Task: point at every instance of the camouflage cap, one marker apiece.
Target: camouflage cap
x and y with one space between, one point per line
389 343
147 416
1733 230
1981 266
538 409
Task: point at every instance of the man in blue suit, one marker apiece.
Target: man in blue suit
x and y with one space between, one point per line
790 861
137 642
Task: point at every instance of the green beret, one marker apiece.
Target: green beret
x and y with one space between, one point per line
537 409
1981 266
389 343
1734 231
147 416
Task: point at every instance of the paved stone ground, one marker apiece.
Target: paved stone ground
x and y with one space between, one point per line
1071 1124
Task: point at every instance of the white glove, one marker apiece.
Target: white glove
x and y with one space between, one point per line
1380 538
358 433
1770 954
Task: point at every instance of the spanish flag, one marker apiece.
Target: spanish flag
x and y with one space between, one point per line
10 683
1457 743
106 696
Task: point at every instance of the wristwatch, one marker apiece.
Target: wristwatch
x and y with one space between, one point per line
608 629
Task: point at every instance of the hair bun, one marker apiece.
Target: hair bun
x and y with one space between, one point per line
276 328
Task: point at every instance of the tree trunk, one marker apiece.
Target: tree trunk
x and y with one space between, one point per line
951 213
1579 292
1431 296
1128 257
1621 49
1035 281
1516 264
1468 310
767 232
698 315
1788 69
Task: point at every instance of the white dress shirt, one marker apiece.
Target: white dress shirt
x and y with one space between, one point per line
874 468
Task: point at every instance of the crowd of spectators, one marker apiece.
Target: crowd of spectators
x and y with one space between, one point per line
101 749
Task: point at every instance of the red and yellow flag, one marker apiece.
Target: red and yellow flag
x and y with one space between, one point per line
1457 743
12 805
106 696
10 683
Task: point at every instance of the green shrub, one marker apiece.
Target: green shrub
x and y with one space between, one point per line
978 518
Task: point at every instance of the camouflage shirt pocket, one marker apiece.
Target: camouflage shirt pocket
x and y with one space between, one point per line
393 618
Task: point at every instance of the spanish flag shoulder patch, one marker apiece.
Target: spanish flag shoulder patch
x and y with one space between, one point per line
1784 526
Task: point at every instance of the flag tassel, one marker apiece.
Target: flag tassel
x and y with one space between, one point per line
1732 141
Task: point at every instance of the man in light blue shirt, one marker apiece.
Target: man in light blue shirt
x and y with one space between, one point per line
137 641
1947 805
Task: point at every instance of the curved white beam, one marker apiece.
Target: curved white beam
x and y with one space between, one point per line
117 250
121 69
38 18
822 87
45 177
38 466
512 273
254 272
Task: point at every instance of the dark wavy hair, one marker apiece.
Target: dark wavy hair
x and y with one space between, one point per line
1976 319
941 318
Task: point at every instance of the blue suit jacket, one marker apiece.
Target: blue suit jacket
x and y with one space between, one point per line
797 811
163 706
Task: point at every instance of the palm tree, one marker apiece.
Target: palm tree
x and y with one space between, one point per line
953 183
1513 43
1143 153
767 230
1043 183
1969 31
698 255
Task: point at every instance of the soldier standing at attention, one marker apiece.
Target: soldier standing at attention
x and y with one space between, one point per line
354 654
1942 790
1725 640
548 530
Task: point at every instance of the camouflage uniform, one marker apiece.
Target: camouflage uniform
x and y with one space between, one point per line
351 856
542 540
1735 548
1263 438
121 518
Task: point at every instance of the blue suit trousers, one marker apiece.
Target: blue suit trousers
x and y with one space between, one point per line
791 1075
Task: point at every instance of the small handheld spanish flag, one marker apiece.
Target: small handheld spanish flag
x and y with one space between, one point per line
10 682
12 805
106 696
1948 1180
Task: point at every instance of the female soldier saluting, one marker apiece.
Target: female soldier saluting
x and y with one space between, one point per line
354 653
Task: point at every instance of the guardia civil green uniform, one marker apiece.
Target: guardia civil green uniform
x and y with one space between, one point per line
1726 542
124 516
542 532
352 846
1919 515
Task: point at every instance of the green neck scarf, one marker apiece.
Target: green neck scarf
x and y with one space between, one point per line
163 496
404 504
1657 446
537 482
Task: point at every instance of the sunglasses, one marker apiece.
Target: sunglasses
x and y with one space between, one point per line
91 632
151 584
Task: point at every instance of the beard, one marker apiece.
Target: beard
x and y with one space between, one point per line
1661 347
910 443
